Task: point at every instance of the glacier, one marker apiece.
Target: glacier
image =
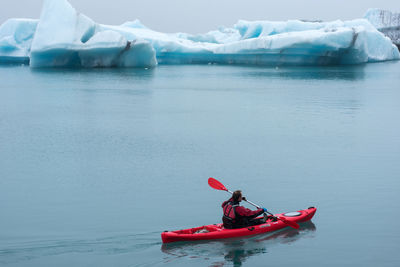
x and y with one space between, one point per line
63 37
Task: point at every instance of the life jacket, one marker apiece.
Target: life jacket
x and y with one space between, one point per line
229 212
233 220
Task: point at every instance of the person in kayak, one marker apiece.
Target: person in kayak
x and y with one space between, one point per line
236 216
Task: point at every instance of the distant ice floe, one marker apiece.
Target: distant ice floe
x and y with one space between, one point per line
62 37
386 22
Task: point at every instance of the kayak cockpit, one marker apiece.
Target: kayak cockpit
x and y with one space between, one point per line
200 229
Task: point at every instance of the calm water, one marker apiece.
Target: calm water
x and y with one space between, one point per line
95 164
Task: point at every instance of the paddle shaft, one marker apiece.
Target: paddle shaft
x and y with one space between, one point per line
251 203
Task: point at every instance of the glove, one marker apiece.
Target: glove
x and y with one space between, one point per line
244 199
265 210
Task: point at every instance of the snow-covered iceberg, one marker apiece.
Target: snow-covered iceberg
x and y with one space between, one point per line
63 37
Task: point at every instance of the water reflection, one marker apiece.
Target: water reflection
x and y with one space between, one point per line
125 81
307 73
235 251
122 72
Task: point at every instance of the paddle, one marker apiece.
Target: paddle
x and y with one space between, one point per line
214 183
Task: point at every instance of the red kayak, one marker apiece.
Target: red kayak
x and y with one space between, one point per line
217 231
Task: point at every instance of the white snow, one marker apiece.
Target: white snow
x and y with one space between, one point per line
64 37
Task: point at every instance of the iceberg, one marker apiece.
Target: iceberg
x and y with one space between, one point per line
16 37
386 22
65 38
382 18
62 37
271 43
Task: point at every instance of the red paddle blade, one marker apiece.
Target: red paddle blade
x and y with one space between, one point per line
290 223
216 184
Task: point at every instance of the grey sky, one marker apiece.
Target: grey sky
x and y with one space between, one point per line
202 16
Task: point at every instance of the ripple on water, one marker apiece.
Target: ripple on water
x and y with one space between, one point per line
109 245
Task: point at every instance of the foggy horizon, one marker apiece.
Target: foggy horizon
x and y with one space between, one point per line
199 17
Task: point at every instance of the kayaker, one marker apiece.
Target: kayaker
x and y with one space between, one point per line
236 216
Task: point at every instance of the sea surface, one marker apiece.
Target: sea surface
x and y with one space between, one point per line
96 163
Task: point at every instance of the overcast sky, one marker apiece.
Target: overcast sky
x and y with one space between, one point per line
204 15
